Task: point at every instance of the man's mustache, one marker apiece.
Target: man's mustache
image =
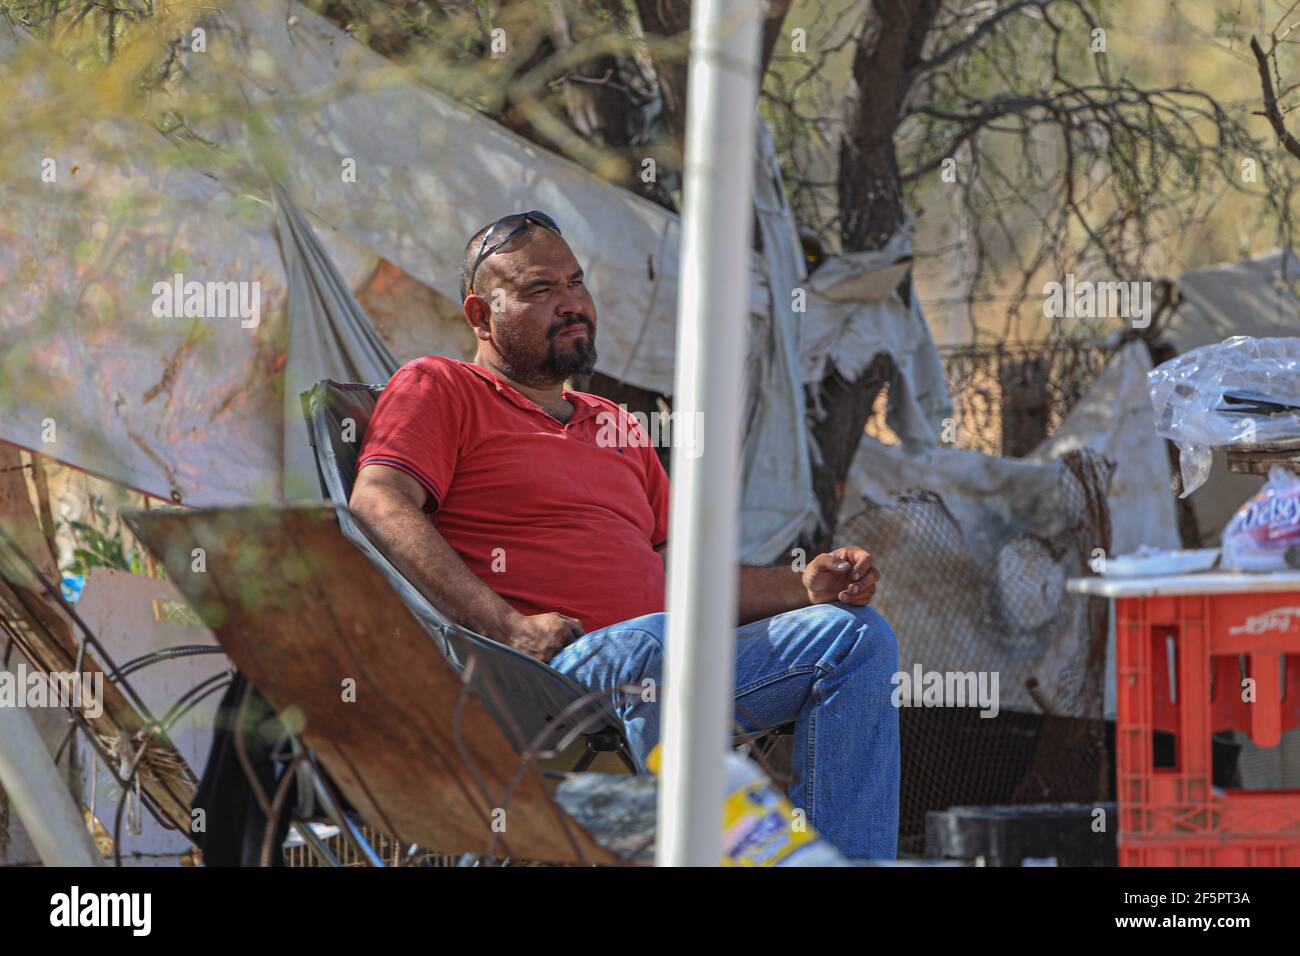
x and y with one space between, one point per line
582 320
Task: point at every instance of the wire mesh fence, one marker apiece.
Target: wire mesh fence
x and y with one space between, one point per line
956 612
1006 399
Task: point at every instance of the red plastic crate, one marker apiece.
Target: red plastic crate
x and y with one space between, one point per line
1216 852
1179 664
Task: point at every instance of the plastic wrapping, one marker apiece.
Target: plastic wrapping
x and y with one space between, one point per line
1239 391
1265 527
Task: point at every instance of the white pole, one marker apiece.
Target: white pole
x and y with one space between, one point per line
711 340
40 795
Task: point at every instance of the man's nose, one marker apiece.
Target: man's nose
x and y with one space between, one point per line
576 302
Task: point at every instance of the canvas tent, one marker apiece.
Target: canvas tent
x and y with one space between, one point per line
199 409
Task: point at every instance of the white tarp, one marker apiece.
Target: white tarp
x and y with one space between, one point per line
329 335
90 375
1114 418
855 313
974 552
776 510
1255 297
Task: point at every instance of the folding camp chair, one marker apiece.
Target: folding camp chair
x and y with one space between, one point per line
529 700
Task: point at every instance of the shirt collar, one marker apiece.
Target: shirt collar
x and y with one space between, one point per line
584 405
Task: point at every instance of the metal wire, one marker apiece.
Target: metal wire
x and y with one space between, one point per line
166 654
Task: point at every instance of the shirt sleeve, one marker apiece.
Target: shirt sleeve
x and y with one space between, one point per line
416 428
656 489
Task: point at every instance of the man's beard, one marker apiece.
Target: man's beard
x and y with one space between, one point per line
581 360
554 366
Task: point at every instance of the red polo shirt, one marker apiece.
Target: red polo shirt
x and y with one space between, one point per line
551 516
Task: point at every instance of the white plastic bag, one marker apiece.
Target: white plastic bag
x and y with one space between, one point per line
1259 534
1239 391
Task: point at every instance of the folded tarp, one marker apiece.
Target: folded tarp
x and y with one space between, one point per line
329 337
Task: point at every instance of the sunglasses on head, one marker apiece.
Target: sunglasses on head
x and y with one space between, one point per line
515 223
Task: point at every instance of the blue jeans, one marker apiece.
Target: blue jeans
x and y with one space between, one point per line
828 668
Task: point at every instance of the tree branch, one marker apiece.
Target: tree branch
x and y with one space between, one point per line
1271 109
971 40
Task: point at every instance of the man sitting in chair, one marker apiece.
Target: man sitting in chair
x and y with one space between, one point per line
500 490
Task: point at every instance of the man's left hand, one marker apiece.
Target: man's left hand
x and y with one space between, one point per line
845 574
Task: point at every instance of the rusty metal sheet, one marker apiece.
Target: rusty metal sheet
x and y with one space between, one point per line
306 616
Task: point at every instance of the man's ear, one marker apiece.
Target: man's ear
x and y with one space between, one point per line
478 313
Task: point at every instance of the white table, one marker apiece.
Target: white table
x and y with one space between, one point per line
1205 582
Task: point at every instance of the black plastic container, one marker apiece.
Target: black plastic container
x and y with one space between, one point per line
1009 835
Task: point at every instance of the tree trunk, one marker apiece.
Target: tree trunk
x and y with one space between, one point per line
871 213
847 404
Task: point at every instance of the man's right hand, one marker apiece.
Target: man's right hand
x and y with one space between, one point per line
542 635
